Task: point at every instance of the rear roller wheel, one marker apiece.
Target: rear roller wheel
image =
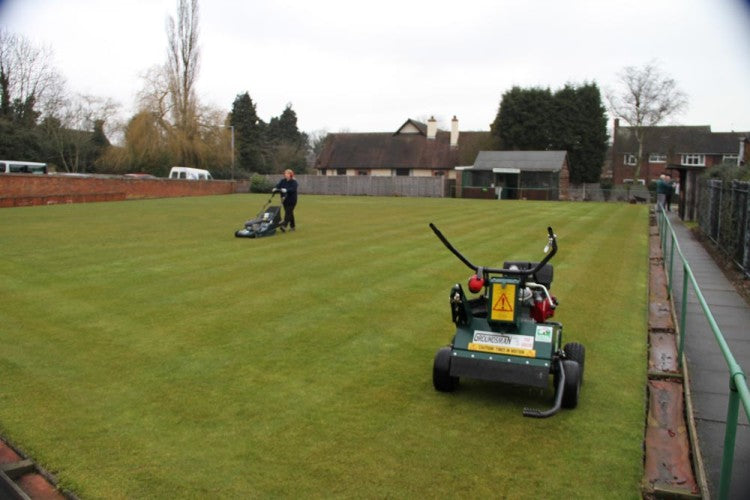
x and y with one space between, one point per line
576 352
572 386
441 369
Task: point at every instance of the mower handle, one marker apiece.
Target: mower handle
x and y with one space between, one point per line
551 244
273 193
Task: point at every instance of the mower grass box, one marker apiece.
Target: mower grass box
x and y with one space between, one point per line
263 224
504 334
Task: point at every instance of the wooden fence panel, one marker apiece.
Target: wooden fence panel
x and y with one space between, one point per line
367 185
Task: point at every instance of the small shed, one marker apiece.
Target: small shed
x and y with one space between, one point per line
516 175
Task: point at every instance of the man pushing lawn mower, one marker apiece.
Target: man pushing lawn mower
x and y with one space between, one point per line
288 189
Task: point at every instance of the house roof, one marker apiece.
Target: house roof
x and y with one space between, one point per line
386 150
679 139
411 124
525 161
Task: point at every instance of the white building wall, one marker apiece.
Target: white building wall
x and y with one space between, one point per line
409 129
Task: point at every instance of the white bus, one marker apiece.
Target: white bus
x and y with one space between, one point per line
22 167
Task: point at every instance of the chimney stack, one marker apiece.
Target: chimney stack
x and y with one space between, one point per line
741 157
431 128
454 132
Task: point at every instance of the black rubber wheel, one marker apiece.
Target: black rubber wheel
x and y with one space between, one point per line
441 369
576 352
572 386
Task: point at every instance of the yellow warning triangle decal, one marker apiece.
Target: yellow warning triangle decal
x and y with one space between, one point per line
502 304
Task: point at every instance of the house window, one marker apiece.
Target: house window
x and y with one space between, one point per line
694 160
477 178
629 159
340 171
438 173
732 159
657 158
362 172
402 171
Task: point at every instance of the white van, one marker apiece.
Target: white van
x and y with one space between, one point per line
22 167
194 174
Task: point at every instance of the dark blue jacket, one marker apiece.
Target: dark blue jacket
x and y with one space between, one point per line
290 198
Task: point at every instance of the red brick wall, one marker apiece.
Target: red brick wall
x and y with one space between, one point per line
21 190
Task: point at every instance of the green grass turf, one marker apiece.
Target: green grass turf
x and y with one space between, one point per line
146 352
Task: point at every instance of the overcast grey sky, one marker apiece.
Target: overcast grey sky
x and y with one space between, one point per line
367 67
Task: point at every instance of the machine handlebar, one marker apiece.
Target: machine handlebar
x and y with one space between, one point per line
551 247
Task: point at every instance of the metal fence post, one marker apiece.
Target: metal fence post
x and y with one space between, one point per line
730 435
683 312
671 261
715 210
721 212
746 240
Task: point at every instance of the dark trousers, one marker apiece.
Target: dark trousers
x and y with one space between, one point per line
288 215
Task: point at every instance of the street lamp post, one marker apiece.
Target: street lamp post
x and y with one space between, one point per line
231 127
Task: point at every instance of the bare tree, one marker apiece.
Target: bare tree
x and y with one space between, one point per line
201 140
155 96
215 138
182 73
168 95
645 98
71 127
189 133
317 139
27 76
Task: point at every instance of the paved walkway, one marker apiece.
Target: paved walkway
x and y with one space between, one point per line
707 369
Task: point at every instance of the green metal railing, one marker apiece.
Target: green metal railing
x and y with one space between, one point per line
738 389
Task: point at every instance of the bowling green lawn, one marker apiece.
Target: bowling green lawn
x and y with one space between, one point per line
147 352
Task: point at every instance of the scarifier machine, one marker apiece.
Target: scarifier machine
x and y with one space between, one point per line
504 333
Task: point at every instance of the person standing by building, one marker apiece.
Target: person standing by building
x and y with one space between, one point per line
288 189
661 191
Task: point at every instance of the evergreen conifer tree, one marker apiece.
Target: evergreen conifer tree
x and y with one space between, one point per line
572 119
249 135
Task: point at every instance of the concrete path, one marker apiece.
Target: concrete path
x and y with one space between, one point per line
707 369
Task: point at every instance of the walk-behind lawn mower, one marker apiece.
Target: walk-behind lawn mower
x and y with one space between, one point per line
264 224
504 333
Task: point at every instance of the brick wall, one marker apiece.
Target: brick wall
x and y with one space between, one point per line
651 171
23 190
